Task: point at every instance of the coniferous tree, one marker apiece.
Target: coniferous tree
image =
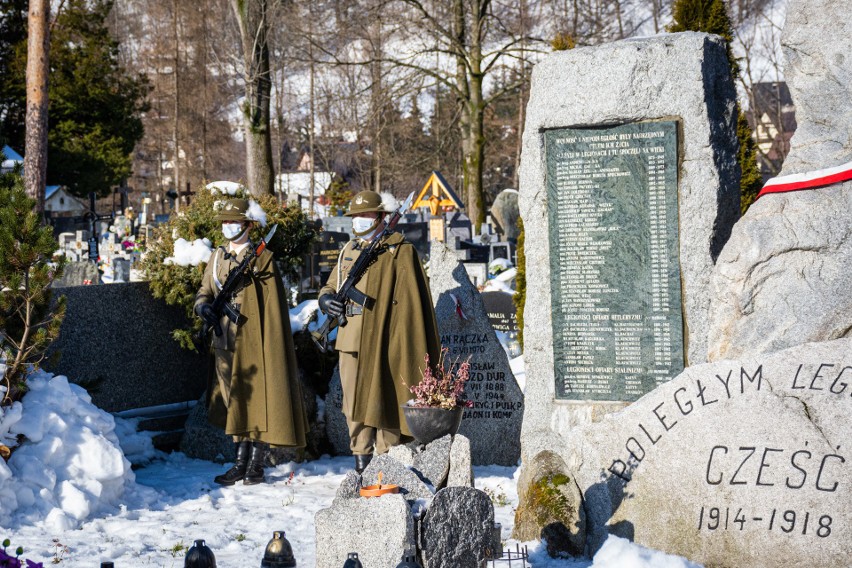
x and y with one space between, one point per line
711 16
28 321
520 297
95 103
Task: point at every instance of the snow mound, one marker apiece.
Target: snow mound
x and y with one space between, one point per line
190 253
301 315
70 464
225 187
621 553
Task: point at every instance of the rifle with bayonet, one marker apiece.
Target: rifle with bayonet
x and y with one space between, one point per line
221 304
347 291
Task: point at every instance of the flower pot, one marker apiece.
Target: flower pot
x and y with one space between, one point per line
428 423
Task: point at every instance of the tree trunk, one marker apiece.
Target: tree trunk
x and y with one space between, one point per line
377 105
252 18
176 117
473 145
38 51
469 80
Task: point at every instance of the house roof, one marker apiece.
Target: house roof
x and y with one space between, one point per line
50 190
10 158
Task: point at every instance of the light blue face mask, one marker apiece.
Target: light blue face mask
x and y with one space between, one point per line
363 225
232 231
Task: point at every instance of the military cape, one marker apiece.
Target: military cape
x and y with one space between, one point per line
397 333
266 396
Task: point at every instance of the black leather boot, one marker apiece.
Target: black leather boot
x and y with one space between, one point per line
237 472
254 471
361 462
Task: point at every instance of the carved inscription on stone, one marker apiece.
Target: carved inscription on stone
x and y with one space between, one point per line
747 481
615 273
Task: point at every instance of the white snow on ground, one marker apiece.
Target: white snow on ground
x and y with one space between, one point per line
301 315
190 253
70 468
70 481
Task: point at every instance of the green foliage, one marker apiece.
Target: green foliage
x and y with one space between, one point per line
177 285
13 31
711 16
95 103
28 321
751 181
563 41
520 296
339 195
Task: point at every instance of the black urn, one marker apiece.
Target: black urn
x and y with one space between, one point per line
199 556
408 561
279 553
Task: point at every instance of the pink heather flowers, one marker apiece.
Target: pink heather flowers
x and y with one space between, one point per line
443 387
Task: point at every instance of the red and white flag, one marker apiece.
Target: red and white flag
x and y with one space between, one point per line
808 180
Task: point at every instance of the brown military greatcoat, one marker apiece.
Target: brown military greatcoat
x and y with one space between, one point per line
398 329
266 396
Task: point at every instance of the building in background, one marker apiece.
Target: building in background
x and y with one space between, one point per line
773 121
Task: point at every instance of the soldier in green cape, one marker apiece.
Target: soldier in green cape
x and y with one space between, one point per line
256 397
384 342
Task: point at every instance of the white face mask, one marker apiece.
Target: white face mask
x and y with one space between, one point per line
362 225
232 230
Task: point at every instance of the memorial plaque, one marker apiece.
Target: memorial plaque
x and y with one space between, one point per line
329 247
615 272
501 311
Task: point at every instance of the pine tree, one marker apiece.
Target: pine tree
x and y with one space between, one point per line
29 321
95 103
711 16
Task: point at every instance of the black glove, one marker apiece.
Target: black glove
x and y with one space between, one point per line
206 313
330 306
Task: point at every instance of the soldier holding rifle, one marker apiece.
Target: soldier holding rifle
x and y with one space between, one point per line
387 327
256 396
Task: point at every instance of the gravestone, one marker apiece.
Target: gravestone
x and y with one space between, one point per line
418 235
117 341
379 529
457 224
733 463
784 277
502 250
121 270
336 429
78 273
493 423
338 225
505 212
501 311
66 244
328 249
477 272
456 531
619 299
